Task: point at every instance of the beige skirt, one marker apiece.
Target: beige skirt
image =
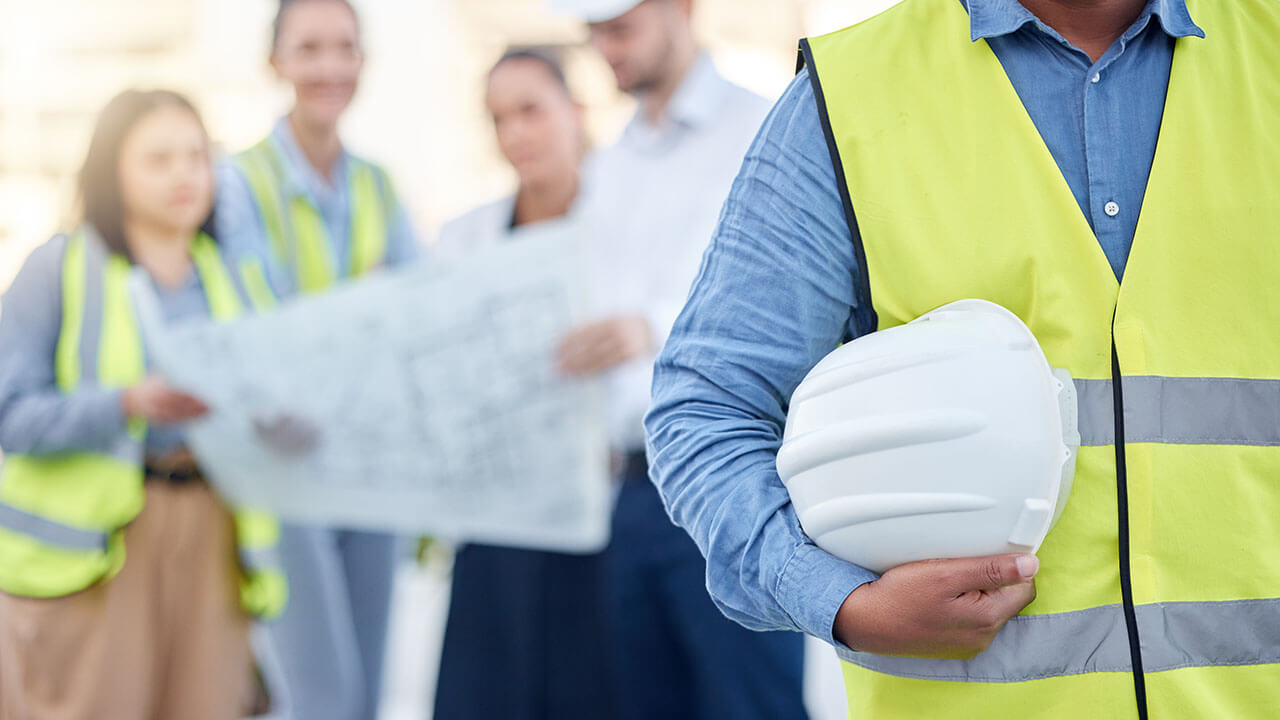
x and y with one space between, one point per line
165 638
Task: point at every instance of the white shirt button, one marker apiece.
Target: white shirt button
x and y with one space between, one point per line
1111 209
1097 77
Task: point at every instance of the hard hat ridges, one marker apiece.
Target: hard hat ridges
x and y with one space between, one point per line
847 512
824 380
874 434
945 437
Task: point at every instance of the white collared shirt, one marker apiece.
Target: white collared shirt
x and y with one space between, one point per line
654 199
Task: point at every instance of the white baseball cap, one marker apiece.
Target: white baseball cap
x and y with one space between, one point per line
593 11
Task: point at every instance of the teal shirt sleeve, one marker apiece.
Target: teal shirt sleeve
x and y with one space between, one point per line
36 418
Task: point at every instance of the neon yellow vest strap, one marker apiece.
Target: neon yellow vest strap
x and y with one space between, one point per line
59 534
55 537
67 356
297 233
369 226
263 588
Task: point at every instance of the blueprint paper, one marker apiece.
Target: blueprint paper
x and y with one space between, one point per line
434 393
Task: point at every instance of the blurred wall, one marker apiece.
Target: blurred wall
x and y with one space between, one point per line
419 111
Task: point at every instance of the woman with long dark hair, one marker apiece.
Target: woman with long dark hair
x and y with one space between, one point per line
127 583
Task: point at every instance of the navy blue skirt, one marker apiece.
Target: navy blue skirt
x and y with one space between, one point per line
526 637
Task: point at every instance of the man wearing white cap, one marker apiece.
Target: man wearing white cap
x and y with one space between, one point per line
656 196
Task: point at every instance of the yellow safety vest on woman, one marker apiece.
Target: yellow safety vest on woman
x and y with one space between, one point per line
1159 591
62 516
295 229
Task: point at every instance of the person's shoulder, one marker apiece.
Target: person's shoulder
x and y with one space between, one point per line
42 267
746 114
235 204
356 160
484 214
237 159
794 109
477 227
229 174
47 256
742 107
740 98
380 174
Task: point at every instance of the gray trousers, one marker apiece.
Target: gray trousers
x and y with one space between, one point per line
326 650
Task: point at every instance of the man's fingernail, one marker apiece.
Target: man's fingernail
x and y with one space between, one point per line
1028 565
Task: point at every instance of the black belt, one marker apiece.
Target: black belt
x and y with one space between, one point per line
172 476
635 466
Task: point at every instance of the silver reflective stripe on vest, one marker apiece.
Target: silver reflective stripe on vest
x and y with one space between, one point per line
1182 411
95 259
127 449
1174 635
50 532
260 558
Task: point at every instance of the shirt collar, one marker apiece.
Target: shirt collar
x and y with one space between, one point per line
993 18
697 100
300 176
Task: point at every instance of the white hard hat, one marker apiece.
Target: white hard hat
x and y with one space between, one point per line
947 437
593 11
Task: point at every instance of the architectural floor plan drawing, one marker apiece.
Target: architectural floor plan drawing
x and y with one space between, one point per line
431 395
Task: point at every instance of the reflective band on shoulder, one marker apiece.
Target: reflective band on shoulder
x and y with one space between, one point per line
1182 411
1174 635
50 532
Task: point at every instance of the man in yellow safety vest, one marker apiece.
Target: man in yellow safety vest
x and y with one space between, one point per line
1110 172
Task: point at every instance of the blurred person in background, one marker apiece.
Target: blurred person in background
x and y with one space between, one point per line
533 619
657 195
321 215
95 460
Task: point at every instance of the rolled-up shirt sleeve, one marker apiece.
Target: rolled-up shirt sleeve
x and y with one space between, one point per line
36 417
775 293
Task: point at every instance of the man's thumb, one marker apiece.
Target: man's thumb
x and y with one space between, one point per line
999 571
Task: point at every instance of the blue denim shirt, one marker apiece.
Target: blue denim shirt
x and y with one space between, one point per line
776 293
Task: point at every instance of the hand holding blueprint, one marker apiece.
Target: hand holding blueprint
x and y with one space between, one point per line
433 397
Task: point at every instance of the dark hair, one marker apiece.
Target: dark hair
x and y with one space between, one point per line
99 181
277 25
547 57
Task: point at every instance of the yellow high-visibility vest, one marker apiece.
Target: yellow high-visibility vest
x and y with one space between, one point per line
62 516
1159 593
295 230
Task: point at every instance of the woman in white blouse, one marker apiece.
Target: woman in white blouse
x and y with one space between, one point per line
534 619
